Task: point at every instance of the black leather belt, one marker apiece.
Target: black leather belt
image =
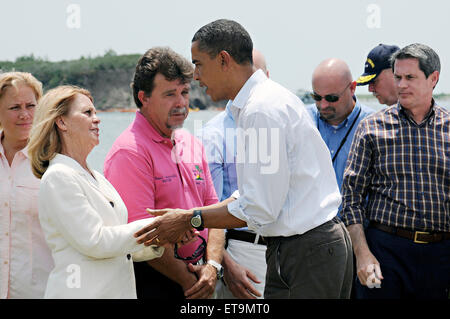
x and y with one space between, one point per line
243 235
419 237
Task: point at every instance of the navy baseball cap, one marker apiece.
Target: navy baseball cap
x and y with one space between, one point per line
377 61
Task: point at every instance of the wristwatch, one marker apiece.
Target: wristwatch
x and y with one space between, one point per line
196 220
219 268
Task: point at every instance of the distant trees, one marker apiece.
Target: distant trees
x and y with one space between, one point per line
75 72
108 77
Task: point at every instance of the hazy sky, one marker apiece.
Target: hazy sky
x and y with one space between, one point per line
294 35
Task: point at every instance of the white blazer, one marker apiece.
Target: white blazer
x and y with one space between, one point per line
85 225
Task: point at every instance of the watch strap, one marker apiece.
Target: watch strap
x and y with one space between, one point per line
219 268
197 215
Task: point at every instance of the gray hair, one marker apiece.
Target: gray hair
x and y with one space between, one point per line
427 57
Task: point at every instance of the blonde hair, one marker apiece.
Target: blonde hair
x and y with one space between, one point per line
44 140
14 79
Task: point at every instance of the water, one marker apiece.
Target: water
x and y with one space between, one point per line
114 123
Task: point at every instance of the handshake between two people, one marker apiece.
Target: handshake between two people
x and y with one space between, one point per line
173 226
170 226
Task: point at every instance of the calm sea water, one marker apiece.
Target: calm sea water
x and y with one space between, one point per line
113 123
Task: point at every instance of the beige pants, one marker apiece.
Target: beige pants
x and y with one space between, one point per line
251 256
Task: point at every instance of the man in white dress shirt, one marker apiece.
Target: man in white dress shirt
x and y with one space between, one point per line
244 260
287 187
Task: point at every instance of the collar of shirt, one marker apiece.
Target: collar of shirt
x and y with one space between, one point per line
95 181
228 109
405 114
242 97
24 150
69 161
350 118
145 126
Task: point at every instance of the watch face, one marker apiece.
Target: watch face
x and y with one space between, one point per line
196 221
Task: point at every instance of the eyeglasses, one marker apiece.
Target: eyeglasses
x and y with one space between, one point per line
329 97
197 253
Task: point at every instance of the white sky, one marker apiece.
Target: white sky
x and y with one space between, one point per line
294 35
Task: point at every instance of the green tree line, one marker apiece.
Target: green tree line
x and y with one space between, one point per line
76 72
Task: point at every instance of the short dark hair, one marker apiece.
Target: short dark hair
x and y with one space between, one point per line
427 57
225 35
159 60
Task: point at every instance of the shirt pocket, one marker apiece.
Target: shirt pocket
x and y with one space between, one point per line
166 188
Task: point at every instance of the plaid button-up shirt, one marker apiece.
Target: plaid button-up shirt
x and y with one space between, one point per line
403 168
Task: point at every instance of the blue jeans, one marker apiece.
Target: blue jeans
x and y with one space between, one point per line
410 270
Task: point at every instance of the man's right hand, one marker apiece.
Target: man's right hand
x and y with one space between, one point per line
238 279
368 270
188 281
367 266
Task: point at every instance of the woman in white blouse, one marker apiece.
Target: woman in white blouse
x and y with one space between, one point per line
25 259
83 218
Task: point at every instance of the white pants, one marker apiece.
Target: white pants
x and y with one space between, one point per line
251 256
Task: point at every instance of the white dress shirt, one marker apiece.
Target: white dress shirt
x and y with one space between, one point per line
286 179
85 224
25 259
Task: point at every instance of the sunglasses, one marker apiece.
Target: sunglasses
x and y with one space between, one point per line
331 98
197 253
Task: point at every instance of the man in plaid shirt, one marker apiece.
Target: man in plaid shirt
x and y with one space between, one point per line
398 177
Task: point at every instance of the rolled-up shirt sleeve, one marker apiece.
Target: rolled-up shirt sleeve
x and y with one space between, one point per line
263 182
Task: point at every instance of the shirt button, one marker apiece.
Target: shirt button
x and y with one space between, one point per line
6 204
6 262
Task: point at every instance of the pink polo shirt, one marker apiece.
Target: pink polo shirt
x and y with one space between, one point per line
151 171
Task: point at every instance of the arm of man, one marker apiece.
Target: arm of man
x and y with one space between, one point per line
131 175
207 273
364 257
357 177
171 224
257 206
237 278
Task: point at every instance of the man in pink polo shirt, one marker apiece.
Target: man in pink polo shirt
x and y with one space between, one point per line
153 164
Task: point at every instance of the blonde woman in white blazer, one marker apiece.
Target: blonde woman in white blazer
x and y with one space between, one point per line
83 217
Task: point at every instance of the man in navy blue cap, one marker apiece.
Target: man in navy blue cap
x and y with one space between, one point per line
378 74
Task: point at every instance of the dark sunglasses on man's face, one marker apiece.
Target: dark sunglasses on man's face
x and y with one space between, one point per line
331 98
197 253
